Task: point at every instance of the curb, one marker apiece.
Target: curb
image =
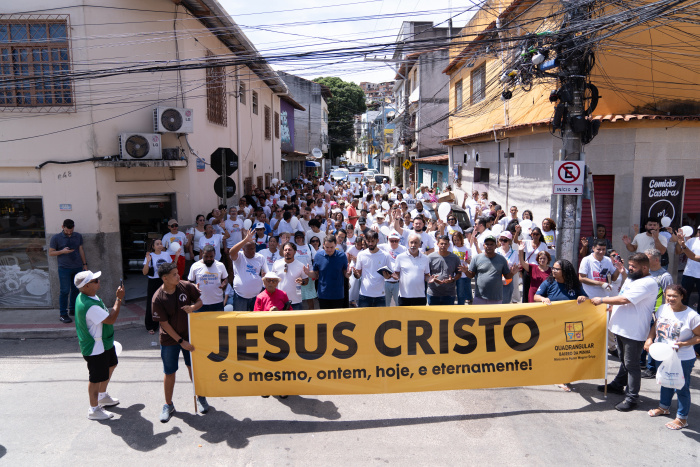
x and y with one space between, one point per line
68 331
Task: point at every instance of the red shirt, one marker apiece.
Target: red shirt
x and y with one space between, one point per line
352 212
264 301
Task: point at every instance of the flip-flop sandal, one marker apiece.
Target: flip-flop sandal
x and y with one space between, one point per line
658 412
151 331
565 387
677 426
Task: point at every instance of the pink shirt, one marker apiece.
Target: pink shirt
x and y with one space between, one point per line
264 301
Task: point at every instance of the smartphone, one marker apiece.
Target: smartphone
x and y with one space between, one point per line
121 283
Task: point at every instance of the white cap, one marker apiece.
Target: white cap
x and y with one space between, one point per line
83 277
271 275
259 225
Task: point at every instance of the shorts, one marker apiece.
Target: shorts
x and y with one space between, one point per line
170 355
99 365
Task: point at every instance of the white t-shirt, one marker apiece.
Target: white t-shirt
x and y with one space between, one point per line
531 252
288 284
372 283
632 320
645 242
93 319
285 226
412 272
247 281
672 327
214 241
598 271
270 257
428 242
303 254
179 237
235 229
393 253
209 281
692 268
157 260
321 234
512 257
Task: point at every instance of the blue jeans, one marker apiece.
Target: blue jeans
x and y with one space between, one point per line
68 289
683 394
507 293
464 290
370 302
297 306
391 289
446 300
243 304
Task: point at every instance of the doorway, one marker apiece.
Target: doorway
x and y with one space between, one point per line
141 218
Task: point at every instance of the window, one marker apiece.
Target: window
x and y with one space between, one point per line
241 92
255 102
478 84
277 125
458 96
216 93
35 63
481 175
268 123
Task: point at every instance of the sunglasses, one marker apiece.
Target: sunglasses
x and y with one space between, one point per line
393 240
503 240
173 225
452 220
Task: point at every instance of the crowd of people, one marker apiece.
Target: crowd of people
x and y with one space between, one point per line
330 244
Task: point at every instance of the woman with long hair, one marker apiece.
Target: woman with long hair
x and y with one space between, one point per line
464 283
528 251
549 235
563 284
193 235
155 256
600 233
537 273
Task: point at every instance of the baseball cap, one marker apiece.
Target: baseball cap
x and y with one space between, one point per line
83 277
259 225
507 235
271 275
362 220
490 237
394 235
172 221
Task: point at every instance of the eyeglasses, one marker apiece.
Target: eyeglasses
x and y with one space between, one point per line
556 269
173 225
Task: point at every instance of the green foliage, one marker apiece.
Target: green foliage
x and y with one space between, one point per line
348 100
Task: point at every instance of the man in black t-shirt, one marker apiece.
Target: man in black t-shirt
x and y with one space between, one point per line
171 304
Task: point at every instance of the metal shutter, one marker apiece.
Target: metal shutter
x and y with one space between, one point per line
604 191
691 199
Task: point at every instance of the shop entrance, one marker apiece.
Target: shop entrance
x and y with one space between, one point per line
141 218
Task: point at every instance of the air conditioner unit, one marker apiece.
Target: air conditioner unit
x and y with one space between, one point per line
139 146
172 120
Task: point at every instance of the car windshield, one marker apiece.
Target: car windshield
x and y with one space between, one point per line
338 173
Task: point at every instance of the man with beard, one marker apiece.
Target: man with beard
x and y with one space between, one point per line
369 261
412 271
489 268
291 273
248 269
630 321
210 276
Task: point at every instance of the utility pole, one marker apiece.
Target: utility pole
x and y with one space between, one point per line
573 80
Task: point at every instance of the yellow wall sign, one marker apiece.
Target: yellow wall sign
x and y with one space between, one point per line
407 164
397 349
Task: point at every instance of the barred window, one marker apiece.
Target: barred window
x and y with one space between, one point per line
35 63
268 123
255 102
241 92
478 78
458 96
216 93
277 125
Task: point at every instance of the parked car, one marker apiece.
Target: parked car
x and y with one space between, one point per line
459 213
357 168
339 174
379 178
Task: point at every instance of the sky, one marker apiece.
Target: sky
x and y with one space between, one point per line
331 24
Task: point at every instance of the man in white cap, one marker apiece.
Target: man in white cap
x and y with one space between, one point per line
271 298
95 328
392 249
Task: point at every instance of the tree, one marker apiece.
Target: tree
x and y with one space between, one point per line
348 100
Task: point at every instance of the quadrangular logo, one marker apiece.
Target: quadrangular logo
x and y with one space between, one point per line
574 331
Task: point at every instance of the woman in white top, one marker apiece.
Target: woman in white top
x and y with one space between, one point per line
530 250
679 326
215 240
354 292
691 274
155 256
506 250
193 236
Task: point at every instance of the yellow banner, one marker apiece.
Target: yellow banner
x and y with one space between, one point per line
398 349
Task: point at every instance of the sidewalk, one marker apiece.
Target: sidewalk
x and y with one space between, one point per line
44 324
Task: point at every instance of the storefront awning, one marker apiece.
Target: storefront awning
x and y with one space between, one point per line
312 164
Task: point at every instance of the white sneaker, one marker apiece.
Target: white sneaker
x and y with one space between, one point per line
99 414
107 401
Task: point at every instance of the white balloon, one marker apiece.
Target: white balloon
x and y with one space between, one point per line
660 351
687 231
525 225
247 223
385 230
443 210
294 222
274 181
665 221
173 248
117 348
497 229
228 308
321 188
385 205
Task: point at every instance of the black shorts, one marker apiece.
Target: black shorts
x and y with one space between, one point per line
99 365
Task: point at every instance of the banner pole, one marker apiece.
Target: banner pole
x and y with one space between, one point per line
607 355
194 391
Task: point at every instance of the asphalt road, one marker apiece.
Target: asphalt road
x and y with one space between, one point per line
43 389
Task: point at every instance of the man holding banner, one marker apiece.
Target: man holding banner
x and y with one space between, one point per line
487 268
412 271
630 321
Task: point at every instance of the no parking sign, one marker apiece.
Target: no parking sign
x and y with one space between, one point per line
568 178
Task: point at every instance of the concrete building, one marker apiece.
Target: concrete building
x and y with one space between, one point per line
375 93
85 74
645 131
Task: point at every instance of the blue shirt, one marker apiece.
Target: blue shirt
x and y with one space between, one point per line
555 291
331 274
70 260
